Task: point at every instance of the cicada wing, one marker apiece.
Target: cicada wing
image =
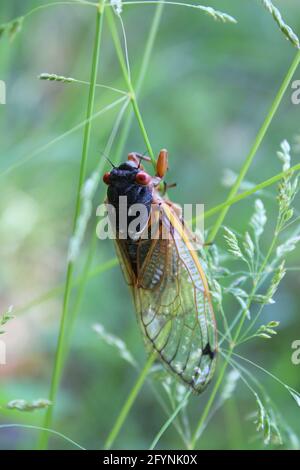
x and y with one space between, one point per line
125 263
174 307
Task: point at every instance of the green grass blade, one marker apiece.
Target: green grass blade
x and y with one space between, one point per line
259 138
58 364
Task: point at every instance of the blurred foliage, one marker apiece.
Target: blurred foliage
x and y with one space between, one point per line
207 90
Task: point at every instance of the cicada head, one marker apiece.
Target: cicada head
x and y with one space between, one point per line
128 180
129 183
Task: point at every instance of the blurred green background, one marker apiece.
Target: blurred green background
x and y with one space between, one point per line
207 91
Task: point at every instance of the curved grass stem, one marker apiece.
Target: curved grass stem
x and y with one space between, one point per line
170 419
127 78
259 138
264 184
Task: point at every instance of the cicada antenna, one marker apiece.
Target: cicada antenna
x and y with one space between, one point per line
108 159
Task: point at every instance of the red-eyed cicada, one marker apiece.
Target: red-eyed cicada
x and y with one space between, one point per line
169 286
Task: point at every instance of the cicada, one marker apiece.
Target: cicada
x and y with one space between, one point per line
169 286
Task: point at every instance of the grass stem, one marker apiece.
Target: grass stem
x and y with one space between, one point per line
127 78
58 364
259 138
129 402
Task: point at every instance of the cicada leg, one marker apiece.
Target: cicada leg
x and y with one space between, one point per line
162 164
161 170
136 158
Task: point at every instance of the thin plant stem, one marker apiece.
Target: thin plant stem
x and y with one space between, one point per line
92 247
60 137
232 417
264 184
170 420
215 14
256 144
207 407
53 77
129 402
40 428
261 270
79 295
126 74
103 267
55 4
262 369
219 222
144 66
58 364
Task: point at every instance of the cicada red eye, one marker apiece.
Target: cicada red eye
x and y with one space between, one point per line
106 178
143 178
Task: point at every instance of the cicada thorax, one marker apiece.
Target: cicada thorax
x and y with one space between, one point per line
124 193
169 286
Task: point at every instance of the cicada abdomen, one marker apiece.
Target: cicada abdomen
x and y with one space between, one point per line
168 283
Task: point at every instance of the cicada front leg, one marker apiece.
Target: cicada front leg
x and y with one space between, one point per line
137 158
162 164
161 170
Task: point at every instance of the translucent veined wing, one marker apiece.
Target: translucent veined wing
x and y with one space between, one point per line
173 304
124 259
